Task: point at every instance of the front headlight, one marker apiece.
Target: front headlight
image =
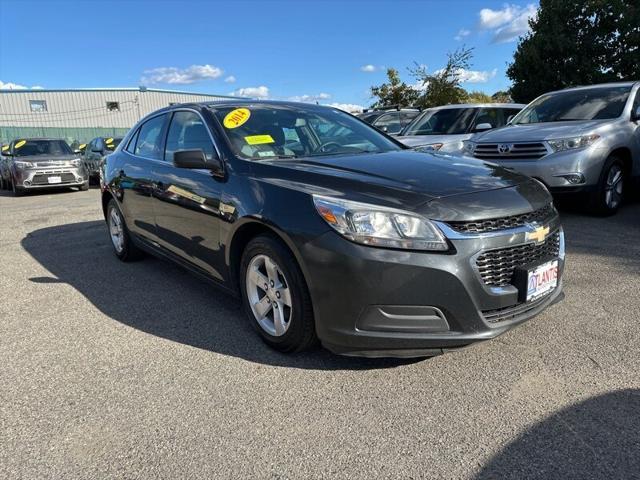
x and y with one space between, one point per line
430 147
21 164
572 143
380 226
468 146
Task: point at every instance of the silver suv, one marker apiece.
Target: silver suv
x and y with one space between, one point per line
584 139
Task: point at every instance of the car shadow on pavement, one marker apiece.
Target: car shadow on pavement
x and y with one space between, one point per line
163 299
598 438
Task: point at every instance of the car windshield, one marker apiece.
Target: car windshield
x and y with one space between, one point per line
23 148
575 105
263 131
447 121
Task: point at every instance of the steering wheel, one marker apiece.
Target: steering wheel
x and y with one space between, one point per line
324 146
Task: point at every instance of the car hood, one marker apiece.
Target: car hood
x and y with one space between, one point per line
538 131
417 140
402 179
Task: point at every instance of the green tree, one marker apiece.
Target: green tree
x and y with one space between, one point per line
577 42
501 97
395 92
442 87
478 97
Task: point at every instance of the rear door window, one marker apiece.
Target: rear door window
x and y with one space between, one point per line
149 142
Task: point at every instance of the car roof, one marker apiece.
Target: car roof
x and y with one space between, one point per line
597 85
479 105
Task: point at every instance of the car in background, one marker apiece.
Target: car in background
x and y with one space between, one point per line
4 167
389 120
95 151
35 163
343 236
445 128
577 140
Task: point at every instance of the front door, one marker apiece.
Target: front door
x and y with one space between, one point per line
187 202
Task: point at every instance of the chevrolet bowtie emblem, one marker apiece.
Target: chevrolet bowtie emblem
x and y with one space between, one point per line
539 234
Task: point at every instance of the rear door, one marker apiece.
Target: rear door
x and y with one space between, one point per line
145 149
187 202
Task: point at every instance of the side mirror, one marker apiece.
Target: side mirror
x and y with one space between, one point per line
196 159
481 127
635 116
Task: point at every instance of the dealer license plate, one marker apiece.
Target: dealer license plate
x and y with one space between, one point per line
55 179
542 280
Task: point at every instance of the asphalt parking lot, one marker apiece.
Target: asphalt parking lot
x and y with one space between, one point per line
141 371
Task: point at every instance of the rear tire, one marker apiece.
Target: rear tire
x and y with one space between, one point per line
123 246
608 197
275 296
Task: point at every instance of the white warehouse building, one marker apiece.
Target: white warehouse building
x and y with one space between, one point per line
79 115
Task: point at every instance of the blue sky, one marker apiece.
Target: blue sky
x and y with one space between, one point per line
331 51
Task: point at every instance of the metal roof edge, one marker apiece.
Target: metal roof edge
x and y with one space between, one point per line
124 89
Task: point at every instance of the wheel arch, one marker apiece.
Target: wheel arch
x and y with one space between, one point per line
624 154
248 229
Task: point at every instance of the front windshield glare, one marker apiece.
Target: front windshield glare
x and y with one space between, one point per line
260 132
448 121
576 105
24 148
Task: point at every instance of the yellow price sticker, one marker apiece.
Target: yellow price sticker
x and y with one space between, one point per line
109 140
82 146
5 148
20 144
236 117
259 139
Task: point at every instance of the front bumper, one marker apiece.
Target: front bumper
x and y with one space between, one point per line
34 178
553 168
380 302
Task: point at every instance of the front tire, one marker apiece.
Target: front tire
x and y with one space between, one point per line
17 191
275 295
123 247
607 198
84 187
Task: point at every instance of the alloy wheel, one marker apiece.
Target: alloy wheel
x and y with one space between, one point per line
116 230
614 186
269 295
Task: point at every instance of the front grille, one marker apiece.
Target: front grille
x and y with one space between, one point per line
43 178
496 267
503 223
512 312
516 151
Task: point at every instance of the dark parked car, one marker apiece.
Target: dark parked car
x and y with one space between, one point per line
352 238
96 150
34 163
390 121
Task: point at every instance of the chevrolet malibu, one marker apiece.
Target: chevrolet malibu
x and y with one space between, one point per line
347 239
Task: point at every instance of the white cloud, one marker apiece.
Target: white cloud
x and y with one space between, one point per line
11 86
347 107
310 98
260 92
368 68
462 33
181 76
476 76
230 79
507 24
420 86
